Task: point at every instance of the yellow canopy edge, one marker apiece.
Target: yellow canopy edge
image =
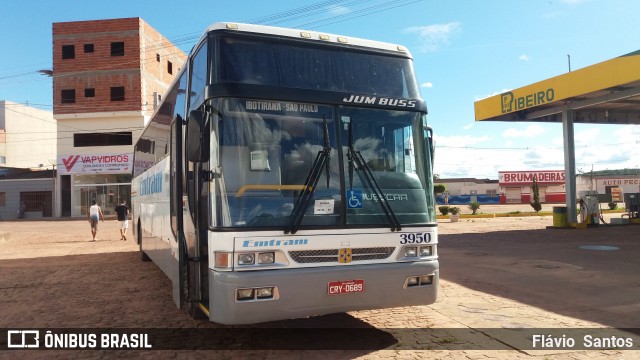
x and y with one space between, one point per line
615 72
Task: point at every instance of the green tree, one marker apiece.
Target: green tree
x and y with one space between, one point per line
535 204
474 206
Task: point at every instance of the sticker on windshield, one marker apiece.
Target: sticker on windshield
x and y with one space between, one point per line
354 199
323 207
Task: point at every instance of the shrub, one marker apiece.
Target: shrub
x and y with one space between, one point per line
536 205
454 210
444 210
474 206
613 205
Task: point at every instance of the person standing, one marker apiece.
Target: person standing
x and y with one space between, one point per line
123 219
94 214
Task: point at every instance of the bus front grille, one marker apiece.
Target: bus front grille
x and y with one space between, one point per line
331 255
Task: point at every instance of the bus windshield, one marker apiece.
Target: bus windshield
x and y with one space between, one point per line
291 65
264 154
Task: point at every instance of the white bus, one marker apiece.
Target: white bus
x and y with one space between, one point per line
288 174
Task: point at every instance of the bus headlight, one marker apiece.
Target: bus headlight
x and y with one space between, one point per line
264 293
260 260
426 279
425 251
244 294
416 253
266 258
410 251
412 281
418 280
246 259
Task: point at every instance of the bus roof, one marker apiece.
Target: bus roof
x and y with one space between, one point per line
308 35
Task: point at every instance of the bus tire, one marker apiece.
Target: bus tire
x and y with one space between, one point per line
143 255
190 306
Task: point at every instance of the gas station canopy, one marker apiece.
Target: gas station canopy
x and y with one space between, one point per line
604 93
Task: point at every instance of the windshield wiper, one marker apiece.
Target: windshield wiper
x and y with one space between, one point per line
356 156
302 202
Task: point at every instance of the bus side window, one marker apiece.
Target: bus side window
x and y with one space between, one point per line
177 175
198 77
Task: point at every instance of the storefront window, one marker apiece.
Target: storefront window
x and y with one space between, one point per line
106 189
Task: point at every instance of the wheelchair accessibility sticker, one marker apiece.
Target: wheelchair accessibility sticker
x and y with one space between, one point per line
354 199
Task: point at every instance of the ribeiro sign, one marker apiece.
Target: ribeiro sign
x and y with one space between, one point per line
510 103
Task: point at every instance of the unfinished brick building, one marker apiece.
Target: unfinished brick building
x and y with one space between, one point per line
108 77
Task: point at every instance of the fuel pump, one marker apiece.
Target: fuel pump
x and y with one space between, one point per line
589 207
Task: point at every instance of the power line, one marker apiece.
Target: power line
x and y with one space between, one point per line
285 16
361 13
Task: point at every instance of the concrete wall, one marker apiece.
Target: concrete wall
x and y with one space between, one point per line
27 136
463 187
12 190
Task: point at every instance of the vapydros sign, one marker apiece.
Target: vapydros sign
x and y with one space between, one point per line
94 163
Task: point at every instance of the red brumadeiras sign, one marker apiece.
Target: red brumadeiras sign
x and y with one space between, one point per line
526 177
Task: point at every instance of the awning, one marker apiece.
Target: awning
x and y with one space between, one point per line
604 93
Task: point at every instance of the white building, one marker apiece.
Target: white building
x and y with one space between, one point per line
466 190
27 137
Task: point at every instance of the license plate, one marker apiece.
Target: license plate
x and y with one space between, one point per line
345 287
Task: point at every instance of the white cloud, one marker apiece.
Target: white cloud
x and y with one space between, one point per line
587 137
431 37
460 140
523 57
339 10
530 131
426 85
628 133
477 98
597 147
468 126
617 151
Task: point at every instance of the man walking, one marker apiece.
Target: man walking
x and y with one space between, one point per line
123 219
94 214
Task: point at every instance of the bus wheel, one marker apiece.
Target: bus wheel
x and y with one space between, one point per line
189 304
143 255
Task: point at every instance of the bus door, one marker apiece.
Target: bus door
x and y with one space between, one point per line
196 219
196 163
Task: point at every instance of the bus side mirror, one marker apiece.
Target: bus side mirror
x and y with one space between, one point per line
194 146
431 143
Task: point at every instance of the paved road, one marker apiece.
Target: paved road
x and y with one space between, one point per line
497 275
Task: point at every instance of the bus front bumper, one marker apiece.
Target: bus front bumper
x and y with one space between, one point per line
306 292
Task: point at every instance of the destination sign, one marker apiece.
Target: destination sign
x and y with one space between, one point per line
277 106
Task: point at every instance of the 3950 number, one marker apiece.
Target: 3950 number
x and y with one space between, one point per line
415 238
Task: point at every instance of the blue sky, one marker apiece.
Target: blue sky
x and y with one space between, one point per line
463 51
